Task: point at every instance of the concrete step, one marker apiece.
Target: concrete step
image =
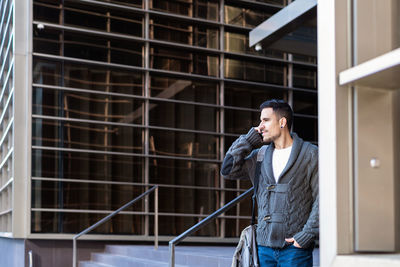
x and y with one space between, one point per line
147 256
93 264
127 261
184 255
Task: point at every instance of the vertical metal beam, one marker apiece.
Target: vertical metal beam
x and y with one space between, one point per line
146 109
222 102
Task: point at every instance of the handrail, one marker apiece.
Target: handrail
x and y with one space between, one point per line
74 260
203 223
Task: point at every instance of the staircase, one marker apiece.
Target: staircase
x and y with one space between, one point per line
147 256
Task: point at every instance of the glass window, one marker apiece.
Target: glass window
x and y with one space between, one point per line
84 196
84 46
254 71
181 144
305 78
244 16
238 42
204 9
183 32
240 121
305 103
183 89
88 166
185 116
250 96
87 106
184 172
73 222
183 61
306 128
86 136
86 76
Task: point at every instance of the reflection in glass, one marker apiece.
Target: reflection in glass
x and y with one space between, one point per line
70 104
86 136
305 103
181 144
240 121
182 89
179 32
86 76
250 96
204 9
183 61
100 18
185 116
244 17
305 78
88 47
88 166
253 71
72 222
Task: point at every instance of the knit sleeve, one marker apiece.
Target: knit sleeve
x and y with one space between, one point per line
310 231
239 159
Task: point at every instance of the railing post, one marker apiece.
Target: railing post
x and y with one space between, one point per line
171 254
156 218
74 252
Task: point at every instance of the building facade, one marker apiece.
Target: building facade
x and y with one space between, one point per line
100 100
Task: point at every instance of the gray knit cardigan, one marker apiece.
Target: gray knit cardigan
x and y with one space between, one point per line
288 208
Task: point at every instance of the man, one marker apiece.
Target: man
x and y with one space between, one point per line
287 195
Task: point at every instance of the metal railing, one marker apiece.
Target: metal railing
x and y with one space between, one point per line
75 238
203 223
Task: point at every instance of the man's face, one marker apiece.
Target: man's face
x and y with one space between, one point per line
269 125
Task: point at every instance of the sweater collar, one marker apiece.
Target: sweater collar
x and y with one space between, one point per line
296 147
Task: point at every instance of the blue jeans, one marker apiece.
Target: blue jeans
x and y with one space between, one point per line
289 256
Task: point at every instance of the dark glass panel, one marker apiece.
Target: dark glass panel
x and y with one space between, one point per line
89 166
305 78
180 144
46 11
68 222
182 89
184 116
183 32
88 16
306 128
183 61
236 42
86 136
46 41
305 103
87 76
184 172
102 18
88 47
253 71
250 96
239 121
204 9
244 16
84 196
134 3
87 106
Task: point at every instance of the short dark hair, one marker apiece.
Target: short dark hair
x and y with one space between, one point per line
281 108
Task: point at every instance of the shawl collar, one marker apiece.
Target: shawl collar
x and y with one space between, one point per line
296 148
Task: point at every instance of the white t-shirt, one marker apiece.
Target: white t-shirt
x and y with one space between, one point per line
280 158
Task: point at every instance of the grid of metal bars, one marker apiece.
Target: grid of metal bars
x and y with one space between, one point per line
147 72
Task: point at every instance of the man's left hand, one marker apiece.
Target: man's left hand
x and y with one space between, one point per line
291 240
